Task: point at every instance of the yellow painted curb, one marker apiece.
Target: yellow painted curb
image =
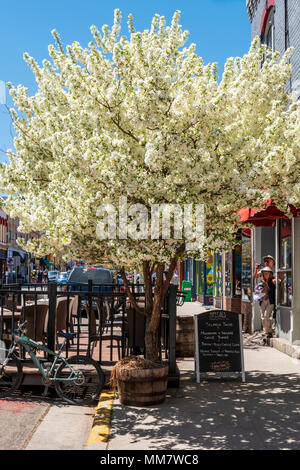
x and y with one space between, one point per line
101 425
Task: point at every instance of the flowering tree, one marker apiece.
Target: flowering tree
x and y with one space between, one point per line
142 117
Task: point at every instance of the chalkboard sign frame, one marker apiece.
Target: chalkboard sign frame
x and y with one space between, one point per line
222 374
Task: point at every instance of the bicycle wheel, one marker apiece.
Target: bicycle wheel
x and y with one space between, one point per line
87 384
10 376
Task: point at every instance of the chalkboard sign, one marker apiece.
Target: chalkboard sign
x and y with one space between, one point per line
218 343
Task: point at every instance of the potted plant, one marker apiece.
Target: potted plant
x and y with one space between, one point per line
140 382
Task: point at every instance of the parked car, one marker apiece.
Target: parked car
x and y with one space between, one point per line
62 278
101 277
52 275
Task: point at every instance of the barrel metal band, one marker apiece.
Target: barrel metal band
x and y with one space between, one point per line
145 395
145 379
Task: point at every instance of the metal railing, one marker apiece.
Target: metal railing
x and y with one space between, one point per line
107 328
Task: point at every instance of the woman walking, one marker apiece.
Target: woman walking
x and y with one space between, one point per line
267 304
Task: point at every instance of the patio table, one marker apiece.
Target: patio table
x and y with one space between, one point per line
7 314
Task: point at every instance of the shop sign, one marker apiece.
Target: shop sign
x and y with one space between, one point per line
218 344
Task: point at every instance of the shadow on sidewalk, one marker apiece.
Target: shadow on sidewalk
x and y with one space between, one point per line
263 413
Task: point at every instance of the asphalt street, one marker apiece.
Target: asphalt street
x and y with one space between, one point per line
20 415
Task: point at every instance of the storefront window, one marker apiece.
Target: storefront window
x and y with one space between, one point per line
209 275
246 268
202 278
285 243
233 272
217 275
237 270
199 277
187 265
285 281
285 293
228 273
191 270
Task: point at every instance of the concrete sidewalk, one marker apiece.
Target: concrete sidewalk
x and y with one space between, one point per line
263 413
65 427
192 308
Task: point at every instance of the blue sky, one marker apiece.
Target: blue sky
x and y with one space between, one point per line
220 29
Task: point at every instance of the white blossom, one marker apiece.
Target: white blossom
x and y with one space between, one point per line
143 117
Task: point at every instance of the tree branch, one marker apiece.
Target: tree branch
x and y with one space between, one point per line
26 134
129 293
157 301
117 123
171 270
129 133
148 286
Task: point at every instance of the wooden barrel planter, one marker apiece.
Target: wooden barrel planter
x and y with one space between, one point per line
142 387
185 346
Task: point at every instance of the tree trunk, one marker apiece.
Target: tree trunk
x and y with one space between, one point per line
152 342
153 301
153 316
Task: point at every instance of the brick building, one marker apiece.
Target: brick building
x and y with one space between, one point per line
19 261
277 22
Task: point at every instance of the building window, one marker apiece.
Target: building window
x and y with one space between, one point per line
284 274
217 275
269 37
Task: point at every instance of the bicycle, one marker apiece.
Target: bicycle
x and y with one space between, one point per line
77 380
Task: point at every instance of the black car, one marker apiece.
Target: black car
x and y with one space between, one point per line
102 279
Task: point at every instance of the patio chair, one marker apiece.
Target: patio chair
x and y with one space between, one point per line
136 330
99 334
61 315
75 314
35 324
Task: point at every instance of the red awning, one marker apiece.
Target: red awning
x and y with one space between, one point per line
264 217
246 232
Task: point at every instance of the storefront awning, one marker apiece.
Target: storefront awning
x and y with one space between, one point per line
16 252
46 262
264 217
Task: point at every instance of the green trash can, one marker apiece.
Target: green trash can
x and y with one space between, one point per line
187 289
